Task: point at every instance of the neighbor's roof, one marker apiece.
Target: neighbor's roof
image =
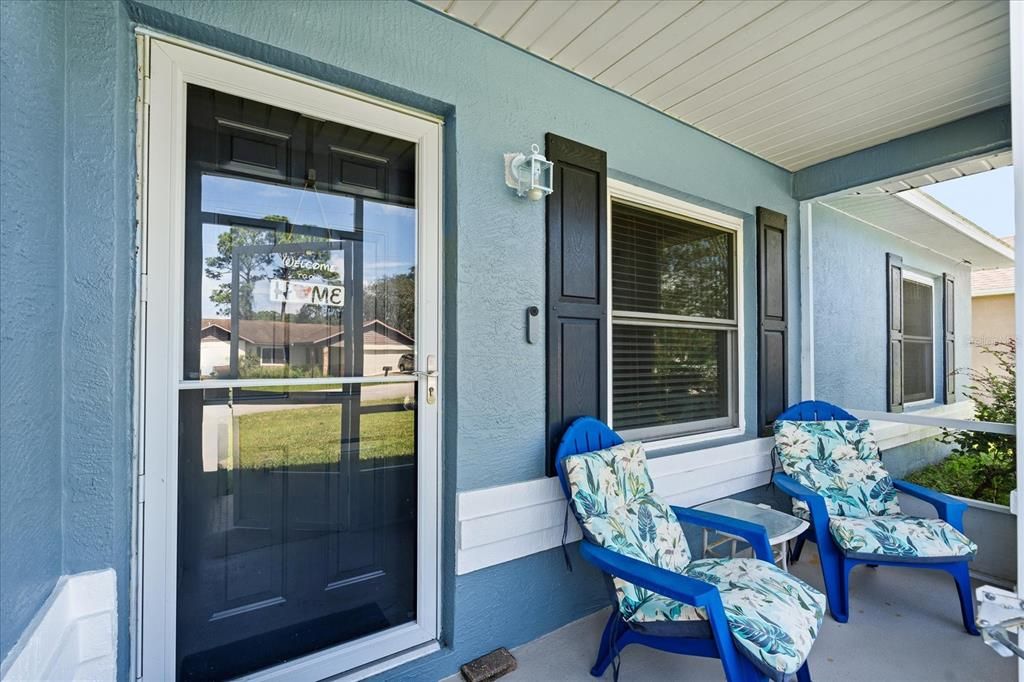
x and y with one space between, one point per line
270 332
993 282
795 82
921 219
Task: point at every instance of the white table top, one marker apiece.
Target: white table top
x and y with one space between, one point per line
780 525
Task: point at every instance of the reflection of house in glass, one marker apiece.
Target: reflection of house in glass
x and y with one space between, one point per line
308 349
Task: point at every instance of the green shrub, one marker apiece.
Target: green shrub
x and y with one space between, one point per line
982 466
249 367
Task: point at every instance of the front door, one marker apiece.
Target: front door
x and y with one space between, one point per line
306 389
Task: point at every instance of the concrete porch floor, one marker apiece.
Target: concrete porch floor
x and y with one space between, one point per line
904 627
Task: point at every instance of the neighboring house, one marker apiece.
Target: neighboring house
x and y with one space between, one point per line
307 347
992 304
729 226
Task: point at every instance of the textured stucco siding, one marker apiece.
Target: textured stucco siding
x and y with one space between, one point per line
31 304
850 304
70 170
495 99
68 301
499 99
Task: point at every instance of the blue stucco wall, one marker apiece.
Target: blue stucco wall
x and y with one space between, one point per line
99 296
507 100
31 304
849 307
495 242
75 476
68 301
495 99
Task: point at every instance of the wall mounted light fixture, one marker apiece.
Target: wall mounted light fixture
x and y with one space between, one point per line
529 175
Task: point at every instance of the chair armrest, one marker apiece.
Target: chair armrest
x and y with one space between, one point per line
815 502
660 580
753 533
950 510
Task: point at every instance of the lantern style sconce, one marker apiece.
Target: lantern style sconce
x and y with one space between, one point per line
530 176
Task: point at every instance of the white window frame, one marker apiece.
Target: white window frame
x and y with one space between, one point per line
654 201
929 281
166 66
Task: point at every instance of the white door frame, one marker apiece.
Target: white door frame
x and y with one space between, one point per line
167 66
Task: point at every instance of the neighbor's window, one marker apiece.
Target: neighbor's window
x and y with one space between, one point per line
674 324
272 355
918 341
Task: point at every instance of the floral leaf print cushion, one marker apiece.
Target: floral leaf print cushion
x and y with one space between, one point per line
906 538
613 498
839 460
773 616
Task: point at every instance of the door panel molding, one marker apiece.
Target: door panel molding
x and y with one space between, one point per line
167 66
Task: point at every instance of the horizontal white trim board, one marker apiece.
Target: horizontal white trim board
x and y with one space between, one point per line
512 521
74 634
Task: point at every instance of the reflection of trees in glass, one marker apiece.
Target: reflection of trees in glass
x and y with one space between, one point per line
668 375
687 362
666 265
254 266
392 300
695 276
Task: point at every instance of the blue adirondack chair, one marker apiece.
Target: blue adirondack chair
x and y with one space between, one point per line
888 539
707 607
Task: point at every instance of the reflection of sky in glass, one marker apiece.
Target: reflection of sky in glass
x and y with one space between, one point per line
389 239
250 199
389 246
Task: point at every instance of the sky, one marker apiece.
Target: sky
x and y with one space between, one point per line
986 199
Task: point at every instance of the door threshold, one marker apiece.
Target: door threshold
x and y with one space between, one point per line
284 670
389 663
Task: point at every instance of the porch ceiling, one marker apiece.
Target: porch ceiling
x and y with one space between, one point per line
917 217
795 82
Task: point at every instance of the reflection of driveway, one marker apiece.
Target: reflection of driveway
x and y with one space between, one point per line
370 392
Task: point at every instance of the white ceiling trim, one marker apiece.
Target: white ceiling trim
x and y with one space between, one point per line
796 82
931 206
915 217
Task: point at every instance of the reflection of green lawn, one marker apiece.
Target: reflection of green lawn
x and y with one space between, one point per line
311 435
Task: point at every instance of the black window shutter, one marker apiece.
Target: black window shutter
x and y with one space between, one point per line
894 332
772 339
577 321
949 337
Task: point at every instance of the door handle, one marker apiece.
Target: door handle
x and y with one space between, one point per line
430 376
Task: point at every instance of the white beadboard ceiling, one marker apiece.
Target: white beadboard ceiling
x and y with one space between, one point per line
795 82
919 218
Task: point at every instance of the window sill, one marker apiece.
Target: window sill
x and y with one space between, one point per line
699 441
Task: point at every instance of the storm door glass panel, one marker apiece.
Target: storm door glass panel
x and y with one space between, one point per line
297 463
918 342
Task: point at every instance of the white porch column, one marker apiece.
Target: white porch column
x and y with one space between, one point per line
1017 131
806 303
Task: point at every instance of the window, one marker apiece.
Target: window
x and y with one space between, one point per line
918 340
272 355
674 323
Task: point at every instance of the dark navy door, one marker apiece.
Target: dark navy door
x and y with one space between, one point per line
297 459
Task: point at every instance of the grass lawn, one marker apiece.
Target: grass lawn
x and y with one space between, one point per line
311 435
